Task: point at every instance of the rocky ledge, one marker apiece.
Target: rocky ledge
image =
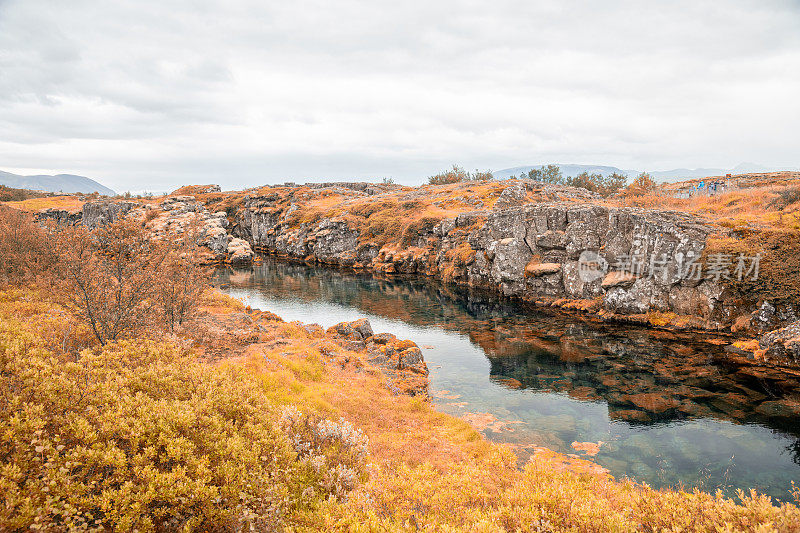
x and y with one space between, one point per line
536 252
348 345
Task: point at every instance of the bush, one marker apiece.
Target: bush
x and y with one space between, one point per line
181 279
110 276
545 174
641 185
336 450
458 174
118 280
140 436
603 185
26 250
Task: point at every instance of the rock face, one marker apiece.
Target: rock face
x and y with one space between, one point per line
400 360
96 214
60 216
632 261
174 215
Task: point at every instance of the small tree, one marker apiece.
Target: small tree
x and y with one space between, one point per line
603 185
613 184
641 185
111 276
546 174
552 174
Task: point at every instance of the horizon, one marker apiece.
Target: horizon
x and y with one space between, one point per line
629 173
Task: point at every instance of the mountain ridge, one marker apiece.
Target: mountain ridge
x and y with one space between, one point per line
68 183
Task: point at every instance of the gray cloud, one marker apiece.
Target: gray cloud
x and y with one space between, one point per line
153 94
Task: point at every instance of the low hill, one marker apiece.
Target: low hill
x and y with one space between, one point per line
68 183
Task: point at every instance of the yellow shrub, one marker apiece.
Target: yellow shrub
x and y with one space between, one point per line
141 436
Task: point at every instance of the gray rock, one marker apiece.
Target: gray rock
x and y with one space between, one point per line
515 195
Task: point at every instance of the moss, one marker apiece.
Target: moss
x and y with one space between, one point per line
417 228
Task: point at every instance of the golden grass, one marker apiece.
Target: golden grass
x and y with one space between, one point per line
753 207
68 203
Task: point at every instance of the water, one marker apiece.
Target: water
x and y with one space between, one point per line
669 408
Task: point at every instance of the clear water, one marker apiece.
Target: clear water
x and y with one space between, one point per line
530 379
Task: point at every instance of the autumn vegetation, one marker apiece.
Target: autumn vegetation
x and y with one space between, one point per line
594 182
113 419
458 174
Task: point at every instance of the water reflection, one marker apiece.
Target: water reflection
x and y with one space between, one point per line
669 408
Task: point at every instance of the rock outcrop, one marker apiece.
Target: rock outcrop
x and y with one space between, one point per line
536 252
783 344
400 360
547 244
172 216
252 332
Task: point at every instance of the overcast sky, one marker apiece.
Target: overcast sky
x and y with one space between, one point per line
151 94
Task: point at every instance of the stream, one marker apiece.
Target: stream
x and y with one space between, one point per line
667 409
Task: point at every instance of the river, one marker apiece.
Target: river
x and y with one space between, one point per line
666 409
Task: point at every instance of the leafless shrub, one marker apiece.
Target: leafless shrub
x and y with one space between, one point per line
182 278
110 276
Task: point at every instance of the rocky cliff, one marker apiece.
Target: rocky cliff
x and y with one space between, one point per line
610 259
550 245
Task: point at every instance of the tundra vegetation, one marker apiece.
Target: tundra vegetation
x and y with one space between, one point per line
111 418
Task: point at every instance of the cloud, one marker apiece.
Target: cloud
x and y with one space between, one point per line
152 94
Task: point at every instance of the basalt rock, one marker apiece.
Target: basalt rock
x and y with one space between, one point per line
621 262
529 251
782 345
60 216
400 360
95 214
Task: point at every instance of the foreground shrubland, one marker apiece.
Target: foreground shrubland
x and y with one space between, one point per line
141 436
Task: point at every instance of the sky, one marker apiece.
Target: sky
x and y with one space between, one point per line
150 95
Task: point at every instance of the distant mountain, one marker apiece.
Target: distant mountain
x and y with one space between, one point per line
59 183
677 174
